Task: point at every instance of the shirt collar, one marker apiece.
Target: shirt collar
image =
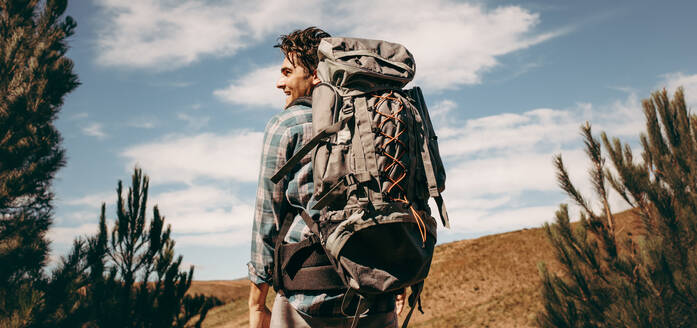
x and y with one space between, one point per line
304 100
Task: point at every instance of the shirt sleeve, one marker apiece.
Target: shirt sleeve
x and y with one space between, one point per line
268 211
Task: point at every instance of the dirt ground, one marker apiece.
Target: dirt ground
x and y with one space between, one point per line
492 281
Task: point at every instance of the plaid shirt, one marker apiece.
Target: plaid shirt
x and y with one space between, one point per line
285 133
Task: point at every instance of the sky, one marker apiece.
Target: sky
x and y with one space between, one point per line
183 90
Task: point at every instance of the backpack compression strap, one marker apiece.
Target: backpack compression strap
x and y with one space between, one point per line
364 150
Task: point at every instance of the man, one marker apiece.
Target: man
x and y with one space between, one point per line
285 133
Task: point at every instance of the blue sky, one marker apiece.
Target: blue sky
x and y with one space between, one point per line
183 89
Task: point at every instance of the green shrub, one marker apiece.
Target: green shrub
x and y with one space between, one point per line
611 279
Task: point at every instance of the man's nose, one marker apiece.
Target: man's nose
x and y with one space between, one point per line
281 83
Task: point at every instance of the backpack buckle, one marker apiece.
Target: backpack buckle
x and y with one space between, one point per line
314 239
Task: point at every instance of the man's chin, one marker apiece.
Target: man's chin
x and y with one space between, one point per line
289 100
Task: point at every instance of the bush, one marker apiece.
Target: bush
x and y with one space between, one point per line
129 277
615 280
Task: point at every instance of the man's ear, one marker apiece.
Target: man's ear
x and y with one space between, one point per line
315 79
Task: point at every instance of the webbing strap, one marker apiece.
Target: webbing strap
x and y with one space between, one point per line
295 159
318 278
362 174
314 228
425 151
303 266
306 267
414 298
360 310
367 141
278 271
301 253
332 193
426 159
442 211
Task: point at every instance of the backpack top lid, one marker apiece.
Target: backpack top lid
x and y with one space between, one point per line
363 64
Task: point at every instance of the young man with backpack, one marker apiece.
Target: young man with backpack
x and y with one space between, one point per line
278 223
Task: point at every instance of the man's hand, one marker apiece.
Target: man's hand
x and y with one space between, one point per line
399 301
259 318
259 314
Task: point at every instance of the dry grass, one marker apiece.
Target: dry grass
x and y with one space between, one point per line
492 281
234 293
226 290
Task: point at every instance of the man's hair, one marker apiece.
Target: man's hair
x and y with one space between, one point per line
303 44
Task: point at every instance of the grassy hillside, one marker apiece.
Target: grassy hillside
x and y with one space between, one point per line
490 281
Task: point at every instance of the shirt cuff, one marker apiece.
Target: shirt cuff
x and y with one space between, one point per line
258 277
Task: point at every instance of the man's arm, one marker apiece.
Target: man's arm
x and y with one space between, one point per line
267 213
268 209
259 314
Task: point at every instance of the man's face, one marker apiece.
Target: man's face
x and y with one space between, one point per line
295 81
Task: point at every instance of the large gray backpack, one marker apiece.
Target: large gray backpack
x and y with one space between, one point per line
375 163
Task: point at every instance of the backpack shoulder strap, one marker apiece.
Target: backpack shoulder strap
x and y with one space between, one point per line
295 159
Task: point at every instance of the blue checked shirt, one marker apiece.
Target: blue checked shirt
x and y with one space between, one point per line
285 133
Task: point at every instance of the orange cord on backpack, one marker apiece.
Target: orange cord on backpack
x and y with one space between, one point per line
396 160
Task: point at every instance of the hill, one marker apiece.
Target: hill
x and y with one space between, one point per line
490 281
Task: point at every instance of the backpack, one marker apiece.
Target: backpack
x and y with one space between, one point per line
375 165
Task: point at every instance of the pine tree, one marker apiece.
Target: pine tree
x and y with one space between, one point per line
35 76
129 277
610 279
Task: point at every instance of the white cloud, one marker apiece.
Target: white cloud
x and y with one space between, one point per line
194 122
453 43
171 84
539 128
256 88
620 118
231 157
202 214
441 108
144 121
482 223
66 234
94 130
511 173
509 132
206 215
494 163
688 82
229 238
94 200
165 34
142 124
265 17
79 116
82 216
